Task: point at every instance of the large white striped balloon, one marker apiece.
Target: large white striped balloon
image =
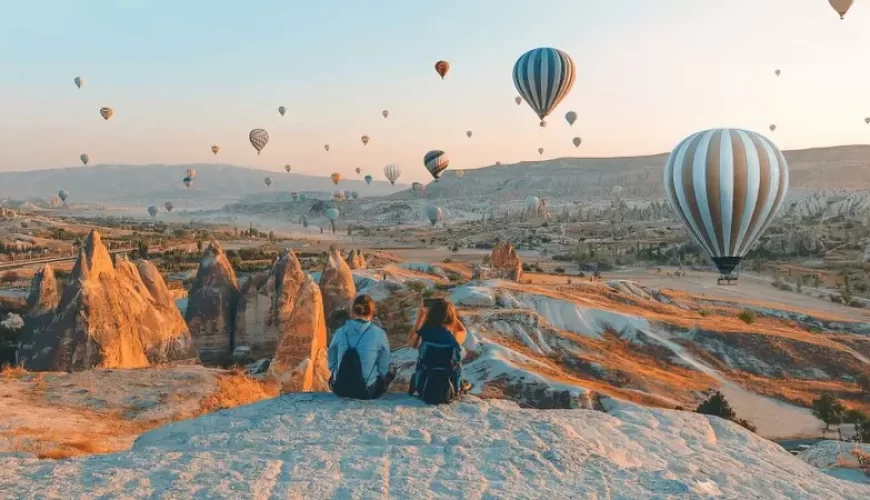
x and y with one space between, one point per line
543 77
726 185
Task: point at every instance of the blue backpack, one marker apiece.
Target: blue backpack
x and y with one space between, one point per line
439 373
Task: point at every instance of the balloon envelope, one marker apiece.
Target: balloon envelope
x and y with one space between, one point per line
365 140
282 110
288 168
442 67
358 170
540 151
335 178
385 113
571 117
726 186
544 77
436 161
459 173
332 214
215 149
259 138
152 210
106 113
79 81
63 194
187 182
267 181
469 134
576 141
169 206
434 214
532 202
392 172
368 179
841 6
85 158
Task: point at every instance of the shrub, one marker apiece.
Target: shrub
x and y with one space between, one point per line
864 384
703 312
828 410
559 270
718 406
747 316
417 286
836 299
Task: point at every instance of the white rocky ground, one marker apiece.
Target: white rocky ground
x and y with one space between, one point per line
317 446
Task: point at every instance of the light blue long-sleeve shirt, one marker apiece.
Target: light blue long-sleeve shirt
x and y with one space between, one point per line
373 348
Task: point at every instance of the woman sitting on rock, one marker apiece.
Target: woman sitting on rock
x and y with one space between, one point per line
359 355
438 335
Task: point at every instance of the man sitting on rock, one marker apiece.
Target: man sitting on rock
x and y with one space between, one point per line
359 355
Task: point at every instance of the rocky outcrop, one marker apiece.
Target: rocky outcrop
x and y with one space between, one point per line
337 286
300 360
44 292
504 263
268 309
106 318
355 259
211 307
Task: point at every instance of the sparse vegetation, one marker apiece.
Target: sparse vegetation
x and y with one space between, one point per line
717 405
9 277
828 410
747 316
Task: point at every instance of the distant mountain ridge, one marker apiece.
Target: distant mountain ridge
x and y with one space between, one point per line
142 185
841 167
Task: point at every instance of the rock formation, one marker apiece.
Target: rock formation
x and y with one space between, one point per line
504 263
337 286
106 318
44 292
300 360
212 305
355 259
268 309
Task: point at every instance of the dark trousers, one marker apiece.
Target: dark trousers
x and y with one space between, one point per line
379 387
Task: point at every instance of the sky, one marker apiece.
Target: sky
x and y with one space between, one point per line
183 75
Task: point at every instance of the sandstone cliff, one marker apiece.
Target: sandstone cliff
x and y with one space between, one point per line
504 263
337 286
355 259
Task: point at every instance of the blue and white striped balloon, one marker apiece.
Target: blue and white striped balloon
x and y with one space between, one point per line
436 162
543 78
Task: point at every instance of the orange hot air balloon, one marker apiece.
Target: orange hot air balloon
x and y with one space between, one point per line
841 6
442 67
336 178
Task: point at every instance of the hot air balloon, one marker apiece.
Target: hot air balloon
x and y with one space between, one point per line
365 140
841 6
532 202
777 72
498 164
335 178
442 67
85 158
459 173
79 81
543 77
332 215
215 149
282 110
571 117
169 206
294 195
63 194
434 214
418 188
726 186
540 151
152 211
469 134
106 113
436 161
392 173
358 170
354 195
576 141
368 179
326 147
518 100
267 181
191 173
346 195
772 128
259 138
187 182
338 195
385 113
867 120
288 168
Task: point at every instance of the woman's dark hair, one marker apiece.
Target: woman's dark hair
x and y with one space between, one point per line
363 306
441 312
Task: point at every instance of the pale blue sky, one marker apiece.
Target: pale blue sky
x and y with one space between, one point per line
184 74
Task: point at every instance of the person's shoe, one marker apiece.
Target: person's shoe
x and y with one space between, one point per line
465 386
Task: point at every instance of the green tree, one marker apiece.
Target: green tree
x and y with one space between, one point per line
199 245
716 405
828 410
142 249
854 416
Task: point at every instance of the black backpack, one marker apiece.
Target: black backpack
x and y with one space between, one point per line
350 382
438 375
